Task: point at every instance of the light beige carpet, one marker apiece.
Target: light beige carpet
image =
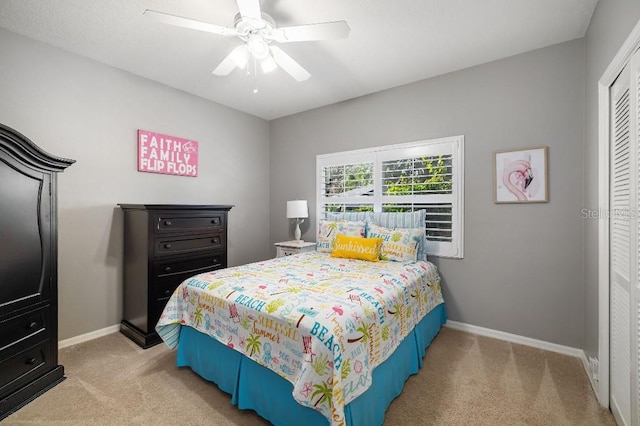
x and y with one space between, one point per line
466 380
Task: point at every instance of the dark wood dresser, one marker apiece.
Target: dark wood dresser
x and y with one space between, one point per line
28 271
164 244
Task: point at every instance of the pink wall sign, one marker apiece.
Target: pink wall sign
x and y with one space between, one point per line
170 155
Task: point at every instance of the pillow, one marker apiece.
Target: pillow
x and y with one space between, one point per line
328 229
357 248
399 244
416 219
350 216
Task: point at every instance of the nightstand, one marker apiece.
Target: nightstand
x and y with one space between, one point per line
287 248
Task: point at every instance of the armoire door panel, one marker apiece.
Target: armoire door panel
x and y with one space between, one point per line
23 270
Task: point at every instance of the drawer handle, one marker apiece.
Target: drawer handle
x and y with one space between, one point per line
215 241
194 270
167 222
167 246
30 361
32 325
167 292
215 221
167 269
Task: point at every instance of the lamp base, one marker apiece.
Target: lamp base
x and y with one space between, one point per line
297 232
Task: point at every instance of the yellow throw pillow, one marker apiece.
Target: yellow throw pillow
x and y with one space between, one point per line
357 248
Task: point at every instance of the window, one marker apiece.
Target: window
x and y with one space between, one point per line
426 175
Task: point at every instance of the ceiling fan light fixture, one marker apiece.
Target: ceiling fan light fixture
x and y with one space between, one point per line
258 47
268 64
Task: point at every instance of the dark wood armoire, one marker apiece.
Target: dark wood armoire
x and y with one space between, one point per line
28 271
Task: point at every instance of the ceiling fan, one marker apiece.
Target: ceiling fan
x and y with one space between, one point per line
258 31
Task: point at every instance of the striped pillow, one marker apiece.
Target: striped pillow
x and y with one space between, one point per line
350 216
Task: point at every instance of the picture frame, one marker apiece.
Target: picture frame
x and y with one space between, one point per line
521 176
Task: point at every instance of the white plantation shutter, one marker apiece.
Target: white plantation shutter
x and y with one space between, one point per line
346 185
428 177
424 175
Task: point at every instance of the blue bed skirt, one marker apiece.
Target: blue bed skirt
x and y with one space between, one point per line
257 388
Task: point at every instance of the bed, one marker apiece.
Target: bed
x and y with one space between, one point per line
310 338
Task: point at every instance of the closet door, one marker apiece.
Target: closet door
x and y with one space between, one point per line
621 242
625 245
635 284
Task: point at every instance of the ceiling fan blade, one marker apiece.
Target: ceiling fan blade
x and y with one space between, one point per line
249 9
234 59
322 31
287 63
179 21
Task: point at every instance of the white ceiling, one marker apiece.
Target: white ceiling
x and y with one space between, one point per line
392 42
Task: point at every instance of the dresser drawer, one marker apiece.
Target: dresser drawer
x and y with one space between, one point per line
24 366
192 222
184 244
166 281
24 330
169 274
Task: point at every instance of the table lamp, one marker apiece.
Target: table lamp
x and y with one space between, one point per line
297 210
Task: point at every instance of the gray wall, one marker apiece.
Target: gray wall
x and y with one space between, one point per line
77 108
522 271
610 25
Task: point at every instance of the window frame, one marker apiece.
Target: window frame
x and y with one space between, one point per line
453 145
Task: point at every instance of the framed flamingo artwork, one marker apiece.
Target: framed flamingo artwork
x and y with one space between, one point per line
521 176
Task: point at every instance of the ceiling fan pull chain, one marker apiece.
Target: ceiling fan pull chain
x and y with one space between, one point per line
255 75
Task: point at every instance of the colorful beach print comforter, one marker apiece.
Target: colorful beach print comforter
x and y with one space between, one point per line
321 323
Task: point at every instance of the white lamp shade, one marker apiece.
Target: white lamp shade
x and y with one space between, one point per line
297 209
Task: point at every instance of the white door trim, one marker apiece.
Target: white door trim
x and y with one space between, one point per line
631 44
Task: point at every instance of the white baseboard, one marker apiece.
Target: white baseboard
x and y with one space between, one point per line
496 334
585 364
514 338
88 336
